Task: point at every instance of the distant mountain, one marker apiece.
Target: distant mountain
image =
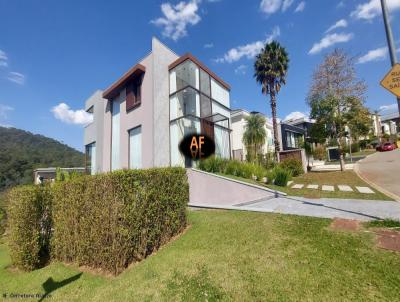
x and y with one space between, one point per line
21 152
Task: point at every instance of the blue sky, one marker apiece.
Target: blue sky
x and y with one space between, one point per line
54 52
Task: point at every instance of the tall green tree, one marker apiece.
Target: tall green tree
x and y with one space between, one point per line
336 98
254 135
270 70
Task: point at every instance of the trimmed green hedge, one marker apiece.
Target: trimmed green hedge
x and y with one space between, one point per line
29 218
293 165
105 221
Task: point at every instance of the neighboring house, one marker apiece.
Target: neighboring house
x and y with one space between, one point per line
238 127
292 133
390 122
139 121
42 175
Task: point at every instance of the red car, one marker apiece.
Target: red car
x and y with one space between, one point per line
386 147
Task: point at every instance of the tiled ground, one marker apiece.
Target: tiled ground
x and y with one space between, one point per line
329 188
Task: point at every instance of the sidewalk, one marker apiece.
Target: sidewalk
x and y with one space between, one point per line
324 207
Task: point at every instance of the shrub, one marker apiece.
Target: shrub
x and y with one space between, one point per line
29 215
355 147
110 220
281 176
319 153
295 166
213 164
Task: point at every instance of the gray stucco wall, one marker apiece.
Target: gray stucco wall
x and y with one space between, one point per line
162 57
94 132
140 116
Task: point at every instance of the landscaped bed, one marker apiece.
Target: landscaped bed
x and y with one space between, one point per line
232 255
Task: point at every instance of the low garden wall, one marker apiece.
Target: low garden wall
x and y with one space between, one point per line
105 221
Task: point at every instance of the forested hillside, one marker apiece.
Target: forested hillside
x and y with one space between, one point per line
21 152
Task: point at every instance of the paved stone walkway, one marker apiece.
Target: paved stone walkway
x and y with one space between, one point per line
343 188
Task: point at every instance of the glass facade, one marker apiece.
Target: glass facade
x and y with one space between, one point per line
195 97
115 136
135 148
90 151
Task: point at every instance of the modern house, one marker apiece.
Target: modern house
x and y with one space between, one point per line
238 123
293 132
139 121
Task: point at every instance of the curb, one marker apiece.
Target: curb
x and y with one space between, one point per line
372 184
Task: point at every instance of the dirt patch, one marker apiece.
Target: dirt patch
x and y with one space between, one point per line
339 224
388 239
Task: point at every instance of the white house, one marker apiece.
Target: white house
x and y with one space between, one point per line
238 123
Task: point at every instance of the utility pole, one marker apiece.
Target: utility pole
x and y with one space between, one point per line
389 37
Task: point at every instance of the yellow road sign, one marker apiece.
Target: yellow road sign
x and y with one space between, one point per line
391 81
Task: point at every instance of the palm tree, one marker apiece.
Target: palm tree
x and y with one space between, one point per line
270 69
254 134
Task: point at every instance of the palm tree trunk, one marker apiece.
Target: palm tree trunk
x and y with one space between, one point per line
274 123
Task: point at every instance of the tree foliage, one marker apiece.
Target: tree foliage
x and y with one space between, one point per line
336 98
21 152
270 70
254 134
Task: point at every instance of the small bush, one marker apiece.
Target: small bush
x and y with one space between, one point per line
213 164
281 176
319 153
29 214
295 166
355 147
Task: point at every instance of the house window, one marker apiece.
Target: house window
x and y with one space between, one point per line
115 136
185 102
134 93
135 148
185 74
90 162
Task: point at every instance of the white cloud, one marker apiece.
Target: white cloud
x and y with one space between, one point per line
241 69
209 45
286 4
4 109
249 50
177 17
329 40
3 59
374 55
78 117
372 9
16 77
270 6
387 108
294 115
338 24
300 7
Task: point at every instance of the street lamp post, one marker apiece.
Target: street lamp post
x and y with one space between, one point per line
390 40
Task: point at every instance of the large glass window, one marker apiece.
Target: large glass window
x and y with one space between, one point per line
179 129
90 151
135 148
185 74
219 93
115 136
205 82
221 137
205 106
217 108
184 102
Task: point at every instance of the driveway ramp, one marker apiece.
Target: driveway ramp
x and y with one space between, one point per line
208 190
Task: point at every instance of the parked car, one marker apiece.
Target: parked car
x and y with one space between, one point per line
386 147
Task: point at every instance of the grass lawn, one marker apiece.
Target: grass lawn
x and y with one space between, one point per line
323 178
234 256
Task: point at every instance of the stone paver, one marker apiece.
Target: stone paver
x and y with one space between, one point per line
297 186
289 182
312 187
365 190
328 188
345 188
